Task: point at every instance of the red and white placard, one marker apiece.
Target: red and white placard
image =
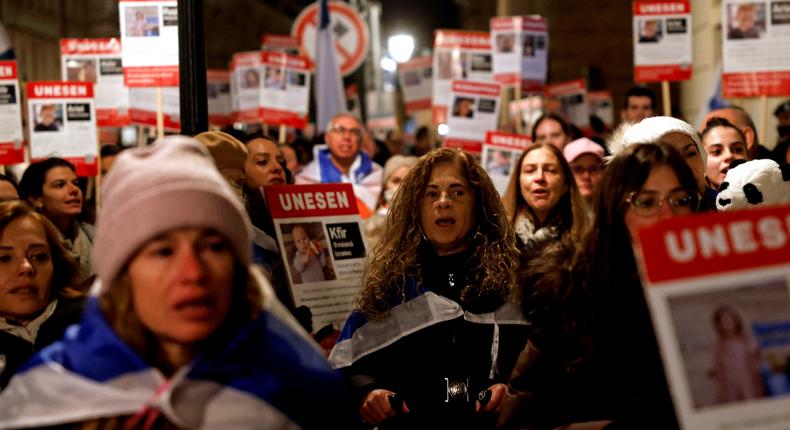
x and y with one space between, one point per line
718 287
500 154
520 46
149 40
662 40
602 106
569 99
218 96
62 122
324 271
98 61
284 89
756 58
245 86
416 81
142 107
458 55
473 111
280 43
11 138
350 34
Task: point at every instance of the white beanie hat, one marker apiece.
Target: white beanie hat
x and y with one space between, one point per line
651 130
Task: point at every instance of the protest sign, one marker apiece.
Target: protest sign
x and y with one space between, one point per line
520 50
142 107
321 242
569 99
756 61
98 61
662 40
280 43
500 154
718 288
458 55
284 90
149 41
62 121
11 138
245 86
218 96
474 111
602 106
416 82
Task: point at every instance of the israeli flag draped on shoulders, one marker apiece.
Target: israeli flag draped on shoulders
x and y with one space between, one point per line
267 376
421 308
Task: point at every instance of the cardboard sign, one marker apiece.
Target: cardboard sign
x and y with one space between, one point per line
756 60
569 99
416 81
218 95
520 49
602 106
458 55
142 107
474 111
98 61
149 38
284 89
62 122
11 138
662 40
280 43
320 237
500 154
718 287
245 86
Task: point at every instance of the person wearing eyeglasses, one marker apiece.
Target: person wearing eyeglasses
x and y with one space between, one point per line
592 356
542 200
344 161
586 160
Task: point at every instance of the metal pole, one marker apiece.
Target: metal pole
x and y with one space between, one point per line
192 67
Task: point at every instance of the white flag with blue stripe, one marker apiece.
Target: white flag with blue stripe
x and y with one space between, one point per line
330 97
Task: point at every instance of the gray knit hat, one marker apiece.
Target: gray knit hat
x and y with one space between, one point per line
149 191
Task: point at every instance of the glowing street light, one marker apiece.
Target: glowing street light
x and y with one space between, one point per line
401 46
388 64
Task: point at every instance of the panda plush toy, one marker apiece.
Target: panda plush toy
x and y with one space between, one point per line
756 182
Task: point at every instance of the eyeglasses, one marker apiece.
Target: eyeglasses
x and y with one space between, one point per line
592 170
339 129
648 203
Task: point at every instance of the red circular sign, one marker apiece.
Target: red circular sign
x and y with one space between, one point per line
349 31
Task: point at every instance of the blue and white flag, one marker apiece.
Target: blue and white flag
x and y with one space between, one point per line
330 96
6 50
715 100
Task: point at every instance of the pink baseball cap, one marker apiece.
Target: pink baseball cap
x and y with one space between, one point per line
582 146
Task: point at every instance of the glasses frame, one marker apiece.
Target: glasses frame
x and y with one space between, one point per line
665 198
339 129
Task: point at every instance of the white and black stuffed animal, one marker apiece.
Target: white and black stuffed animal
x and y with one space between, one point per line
756 182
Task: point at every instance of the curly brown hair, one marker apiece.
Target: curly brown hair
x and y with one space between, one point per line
401 252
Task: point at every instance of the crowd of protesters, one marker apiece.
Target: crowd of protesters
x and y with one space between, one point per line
475 310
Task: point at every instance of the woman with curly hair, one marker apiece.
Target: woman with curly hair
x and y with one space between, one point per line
435 323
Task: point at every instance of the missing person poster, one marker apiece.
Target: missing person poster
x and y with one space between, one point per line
755 37
416 82
280 43
245 86
284 90
98 61
458 55
662 40
149 41
520 50
218 96
569 99
11 137
474 110
321 242
142 107
500 154
718 288
62 122
602 106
